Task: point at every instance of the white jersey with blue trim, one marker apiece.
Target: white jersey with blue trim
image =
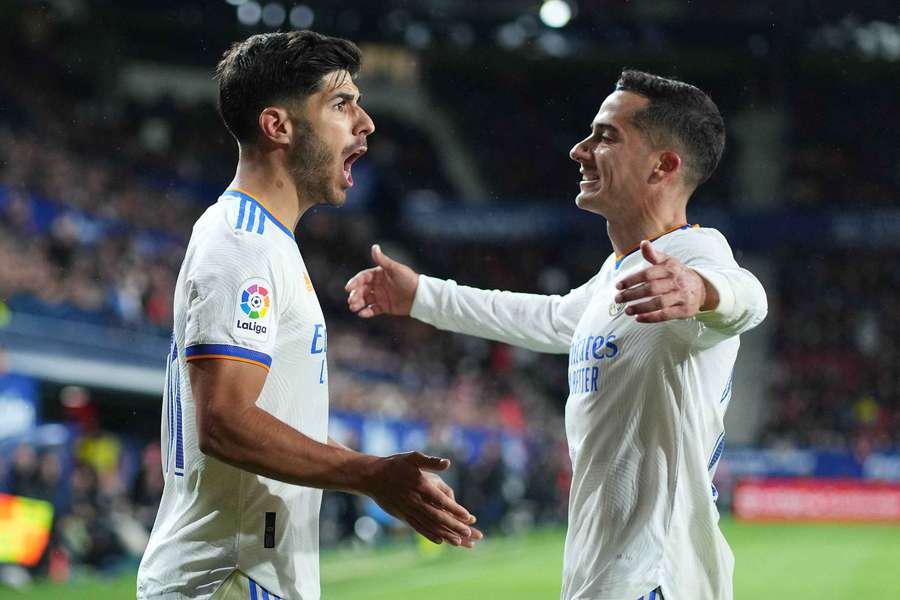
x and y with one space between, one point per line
644 415
243 293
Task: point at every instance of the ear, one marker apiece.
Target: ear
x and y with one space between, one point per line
275 125
668 164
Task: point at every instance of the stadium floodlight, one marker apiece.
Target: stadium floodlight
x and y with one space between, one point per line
556 13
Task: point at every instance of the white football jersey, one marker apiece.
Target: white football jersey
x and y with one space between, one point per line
242 294
644 416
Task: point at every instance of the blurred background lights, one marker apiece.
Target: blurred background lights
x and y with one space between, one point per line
556 13
249 13
302 17
273 14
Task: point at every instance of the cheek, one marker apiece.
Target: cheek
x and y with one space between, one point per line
603 161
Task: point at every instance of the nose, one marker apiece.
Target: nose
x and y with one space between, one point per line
581 152
364 124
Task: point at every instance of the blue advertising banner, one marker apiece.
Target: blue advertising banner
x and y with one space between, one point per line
823 464
18 404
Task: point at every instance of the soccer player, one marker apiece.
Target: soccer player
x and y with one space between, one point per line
652 339
245 409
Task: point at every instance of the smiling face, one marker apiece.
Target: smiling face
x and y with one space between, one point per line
616 159
330 133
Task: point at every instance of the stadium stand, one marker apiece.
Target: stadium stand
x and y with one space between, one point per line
98 194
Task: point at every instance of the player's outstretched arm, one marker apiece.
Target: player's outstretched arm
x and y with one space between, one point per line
534 321
233 429
669 289
388 288
724 296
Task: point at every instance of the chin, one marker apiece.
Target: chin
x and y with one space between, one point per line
589 203
585 202
337 199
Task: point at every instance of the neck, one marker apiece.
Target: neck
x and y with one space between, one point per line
627 233
262 176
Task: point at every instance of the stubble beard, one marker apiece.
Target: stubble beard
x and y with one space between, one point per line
310 166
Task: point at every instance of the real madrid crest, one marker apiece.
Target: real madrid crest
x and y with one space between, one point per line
616 308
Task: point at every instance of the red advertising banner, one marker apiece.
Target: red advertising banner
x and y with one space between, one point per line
816 500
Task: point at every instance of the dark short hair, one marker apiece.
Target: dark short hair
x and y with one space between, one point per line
681 115
277 67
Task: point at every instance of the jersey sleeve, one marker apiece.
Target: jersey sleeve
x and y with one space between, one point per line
533 321
234 296
742 299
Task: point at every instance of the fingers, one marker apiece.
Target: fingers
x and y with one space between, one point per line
655 287
429 463
381 259
445 502
369 311
443 519
652 255
445 489
361 299
665 314
429 532
474 537
653 304
360 279
643 276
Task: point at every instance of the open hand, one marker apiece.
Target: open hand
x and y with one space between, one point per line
387 288
675 291
402 486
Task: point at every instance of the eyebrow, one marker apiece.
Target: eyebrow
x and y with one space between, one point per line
346 96
604 126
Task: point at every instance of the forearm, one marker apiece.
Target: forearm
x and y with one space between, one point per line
740 304
258 442
527 320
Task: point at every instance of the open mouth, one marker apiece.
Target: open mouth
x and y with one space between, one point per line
348 163
587 179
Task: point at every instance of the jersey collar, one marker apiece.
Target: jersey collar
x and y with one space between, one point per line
635 248
239 193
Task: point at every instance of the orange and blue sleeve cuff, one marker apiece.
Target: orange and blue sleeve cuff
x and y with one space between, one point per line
228 352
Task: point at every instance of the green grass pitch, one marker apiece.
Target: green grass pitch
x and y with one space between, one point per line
774 561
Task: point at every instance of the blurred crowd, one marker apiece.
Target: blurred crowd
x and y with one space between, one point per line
98 195
105 484
836 381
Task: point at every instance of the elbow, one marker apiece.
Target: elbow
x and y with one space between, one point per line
212 436
762 303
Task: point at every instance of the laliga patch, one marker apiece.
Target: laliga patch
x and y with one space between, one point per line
253 314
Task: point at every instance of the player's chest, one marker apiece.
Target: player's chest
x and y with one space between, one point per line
598 341
302 323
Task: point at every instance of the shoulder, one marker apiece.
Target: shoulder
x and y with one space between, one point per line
221 255
697 243
241 224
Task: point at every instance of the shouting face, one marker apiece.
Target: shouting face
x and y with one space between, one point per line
329 135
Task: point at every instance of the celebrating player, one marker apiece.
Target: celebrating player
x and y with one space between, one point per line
245 412
652 339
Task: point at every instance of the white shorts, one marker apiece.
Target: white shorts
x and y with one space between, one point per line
240 587
654 595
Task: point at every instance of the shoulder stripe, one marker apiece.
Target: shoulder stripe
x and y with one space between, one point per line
255 205
228 351
240 221
251 219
